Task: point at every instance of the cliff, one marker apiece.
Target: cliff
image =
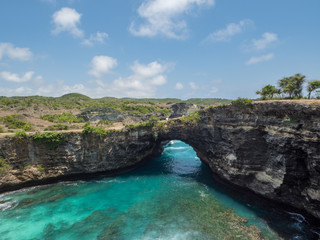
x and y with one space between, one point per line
270 148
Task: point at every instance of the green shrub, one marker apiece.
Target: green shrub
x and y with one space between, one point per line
56 127
21 134
4 166
87 129
62 118
27 167
1 130
192 118
14 122
242 102
51 139
104 122
40 168
152 122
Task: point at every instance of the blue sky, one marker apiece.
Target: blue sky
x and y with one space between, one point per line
155 48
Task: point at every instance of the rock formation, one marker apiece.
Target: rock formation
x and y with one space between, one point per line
270 148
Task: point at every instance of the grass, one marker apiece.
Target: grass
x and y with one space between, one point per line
242 102
88 129
21 134
40 168
191 118
50 139
56 127
79 101
15 121
62 118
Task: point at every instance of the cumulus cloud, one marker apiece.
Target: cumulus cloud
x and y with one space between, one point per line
230 30
99 37
67 19
143 81
101 65
164 17
13 77
193 86
55 90
179 86
15 53
262 58
267 39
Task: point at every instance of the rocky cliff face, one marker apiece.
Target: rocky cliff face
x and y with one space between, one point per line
181 109
270 148
33 163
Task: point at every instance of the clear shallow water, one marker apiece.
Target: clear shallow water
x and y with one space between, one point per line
171 197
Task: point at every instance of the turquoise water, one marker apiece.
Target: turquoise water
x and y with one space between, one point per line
170 197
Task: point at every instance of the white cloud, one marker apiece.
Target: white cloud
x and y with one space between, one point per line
99 37
231 29
15 53
13 77
265 41
164 17
67 19
263 58
193 85
54 90
179 86
102 65
143 81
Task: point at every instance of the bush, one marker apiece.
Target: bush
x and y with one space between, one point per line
62 118
56 127
153 121
51 139
4 166
1 130
105 122
87 128
21 134
40 168
192 118
242 102
14 122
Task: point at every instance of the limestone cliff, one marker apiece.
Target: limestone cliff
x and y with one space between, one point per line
33 163
270 148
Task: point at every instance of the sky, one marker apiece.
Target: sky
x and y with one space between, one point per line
155 48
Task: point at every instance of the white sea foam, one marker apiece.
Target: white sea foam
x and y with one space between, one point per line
202 194
172 236
298 217
109 181
7 205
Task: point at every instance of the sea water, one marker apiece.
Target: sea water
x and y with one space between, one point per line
170 197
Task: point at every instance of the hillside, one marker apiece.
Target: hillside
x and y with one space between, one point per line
70 111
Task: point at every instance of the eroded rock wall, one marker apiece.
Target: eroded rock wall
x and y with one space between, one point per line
80 154
270 148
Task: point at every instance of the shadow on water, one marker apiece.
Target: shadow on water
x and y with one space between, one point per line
143 202
287 223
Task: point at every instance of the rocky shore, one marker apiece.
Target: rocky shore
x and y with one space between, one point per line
270 148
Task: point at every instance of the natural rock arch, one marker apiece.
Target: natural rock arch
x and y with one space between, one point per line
262 147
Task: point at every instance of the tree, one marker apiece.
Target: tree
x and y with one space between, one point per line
312 85
268 92
292 85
